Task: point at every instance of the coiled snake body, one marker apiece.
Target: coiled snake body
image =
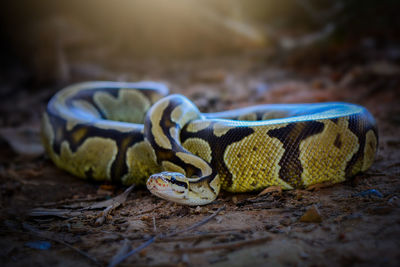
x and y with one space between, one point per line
126 132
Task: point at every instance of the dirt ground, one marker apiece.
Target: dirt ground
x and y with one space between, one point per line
50 218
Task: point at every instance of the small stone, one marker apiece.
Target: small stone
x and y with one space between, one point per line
311 215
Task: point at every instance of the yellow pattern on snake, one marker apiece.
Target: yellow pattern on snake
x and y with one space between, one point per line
135 133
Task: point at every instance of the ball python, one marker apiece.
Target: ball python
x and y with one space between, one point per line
136 133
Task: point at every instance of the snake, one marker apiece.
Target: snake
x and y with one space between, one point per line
136 133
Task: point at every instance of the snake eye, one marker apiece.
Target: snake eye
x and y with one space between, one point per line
173 180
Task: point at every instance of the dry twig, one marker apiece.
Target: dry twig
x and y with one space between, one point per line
107 206
70 201
110 205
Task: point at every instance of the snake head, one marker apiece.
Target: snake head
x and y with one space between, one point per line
172 186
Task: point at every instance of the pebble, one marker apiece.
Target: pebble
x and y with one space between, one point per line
311 215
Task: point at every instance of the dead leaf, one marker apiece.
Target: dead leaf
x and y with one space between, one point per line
270 189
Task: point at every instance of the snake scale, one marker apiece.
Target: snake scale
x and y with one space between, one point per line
136 133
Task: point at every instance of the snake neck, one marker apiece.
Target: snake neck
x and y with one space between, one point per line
188 179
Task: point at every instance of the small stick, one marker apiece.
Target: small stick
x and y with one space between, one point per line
115 262
70 201
103 215
109 205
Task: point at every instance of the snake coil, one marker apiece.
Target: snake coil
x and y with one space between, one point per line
128 132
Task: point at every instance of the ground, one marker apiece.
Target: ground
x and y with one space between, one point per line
356 223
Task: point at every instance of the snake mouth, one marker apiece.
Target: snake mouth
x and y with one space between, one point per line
157 182
167 186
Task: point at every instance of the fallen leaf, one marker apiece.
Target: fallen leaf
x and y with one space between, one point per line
270 189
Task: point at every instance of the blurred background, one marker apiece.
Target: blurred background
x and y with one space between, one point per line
222 54
60 41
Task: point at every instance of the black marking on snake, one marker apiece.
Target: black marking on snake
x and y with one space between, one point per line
83 131
88 96
119 166
58 125
338 142
358 125
163 154
123 140
335 120
89 174
218 146
179 183
291 136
